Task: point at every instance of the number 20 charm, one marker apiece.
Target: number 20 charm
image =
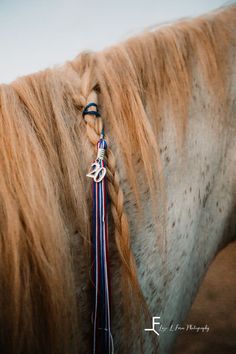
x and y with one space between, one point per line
97 172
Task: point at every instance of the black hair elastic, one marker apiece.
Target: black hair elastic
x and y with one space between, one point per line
93 113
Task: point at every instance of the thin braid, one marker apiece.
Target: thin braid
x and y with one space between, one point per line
122 234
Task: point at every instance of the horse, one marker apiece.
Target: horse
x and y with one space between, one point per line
168 100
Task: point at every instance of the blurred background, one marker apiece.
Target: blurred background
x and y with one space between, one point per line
215 305
38 34
35 34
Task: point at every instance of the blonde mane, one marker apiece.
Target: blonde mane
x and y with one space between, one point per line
45 152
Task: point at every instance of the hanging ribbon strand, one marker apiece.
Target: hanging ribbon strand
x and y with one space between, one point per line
102 337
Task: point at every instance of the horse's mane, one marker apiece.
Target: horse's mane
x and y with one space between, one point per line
45 152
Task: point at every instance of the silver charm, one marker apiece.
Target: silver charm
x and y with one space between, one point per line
97 172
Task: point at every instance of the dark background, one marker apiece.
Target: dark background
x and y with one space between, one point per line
215 305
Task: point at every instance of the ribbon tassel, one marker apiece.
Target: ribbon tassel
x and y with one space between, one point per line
102 337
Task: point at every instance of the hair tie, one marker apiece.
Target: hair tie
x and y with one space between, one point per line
93 113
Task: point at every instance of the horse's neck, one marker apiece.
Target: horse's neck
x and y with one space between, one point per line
200 201
174 242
